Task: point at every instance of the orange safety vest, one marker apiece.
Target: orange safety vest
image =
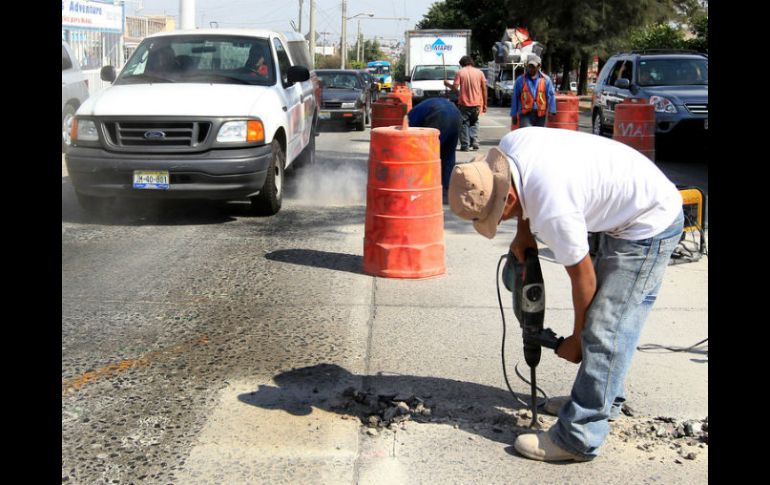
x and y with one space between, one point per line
528 101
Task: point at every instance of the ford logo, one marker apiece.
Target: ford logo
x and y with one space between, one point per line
154 135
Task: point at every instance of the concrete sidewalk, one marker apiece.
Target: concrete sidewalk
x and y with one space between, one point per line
439 339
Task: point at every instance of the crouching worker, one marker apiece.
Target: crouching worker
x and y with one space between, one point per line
561 185
443 115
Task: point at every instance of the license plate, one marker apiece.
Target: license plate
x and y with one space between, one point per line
324 115
706 124
151 180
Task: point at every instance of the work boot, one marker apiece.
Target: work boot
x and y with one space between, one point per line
540 447
474 146
554 405
464 148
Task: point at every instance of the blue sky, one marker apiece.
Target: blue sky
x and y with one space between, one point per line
276 14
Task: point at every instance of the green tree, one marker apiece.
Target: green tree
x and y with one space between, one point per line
659 36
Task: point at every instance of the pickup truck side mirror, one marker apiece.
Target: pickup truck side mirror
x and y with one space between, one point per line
298 74
108 74
408 79
622 83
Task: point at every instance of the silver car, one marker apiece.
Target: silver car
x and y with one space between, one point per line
74 90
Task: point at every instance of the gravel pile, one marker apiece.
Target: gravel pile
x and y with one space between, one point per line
378 411
685 436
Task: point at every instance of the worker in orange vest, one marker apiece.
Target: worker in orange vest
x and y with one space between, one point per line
533 96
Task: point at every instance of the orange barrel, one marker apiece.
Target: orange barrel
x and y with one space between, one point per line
404 94
635 125
567 113
404 229
387 112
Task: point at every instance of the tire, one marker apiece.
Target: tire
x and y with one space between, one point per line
268 201
307 157
66 117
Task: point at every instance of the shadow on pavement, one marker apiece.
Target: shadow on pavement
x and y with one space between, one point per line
319 259
323 386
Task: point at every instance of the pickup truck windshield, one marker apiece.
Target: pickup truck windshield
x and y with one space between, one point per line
200 59
434 73
673 72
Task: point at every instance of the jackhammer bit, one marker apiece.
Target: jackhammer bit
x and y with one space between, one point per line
525 281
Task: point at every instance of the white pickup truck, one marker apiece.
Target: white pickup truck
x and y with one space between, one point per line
199 114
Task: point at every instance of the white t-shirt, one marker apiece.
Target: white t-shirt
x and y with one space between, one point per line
571 183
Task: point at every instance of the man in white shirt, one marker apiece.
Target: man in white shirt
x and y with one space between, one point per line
561 185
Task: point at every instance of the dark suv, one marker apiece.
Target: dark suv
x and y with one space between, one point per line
676 82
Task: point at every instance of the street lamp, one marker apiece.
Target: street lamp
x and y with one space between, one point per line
344 46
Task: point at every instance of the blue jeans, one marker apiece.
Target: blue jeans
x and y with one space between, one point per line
531 119
470 126
629 275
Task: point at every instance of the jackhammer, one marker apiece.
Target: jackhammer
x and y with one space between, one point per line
525 281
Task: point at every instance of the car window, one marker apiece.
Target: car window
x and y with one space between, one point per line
627 70
339 80
300 53
195 59
66 62
434 73
283 61
615 73
622 70
673 72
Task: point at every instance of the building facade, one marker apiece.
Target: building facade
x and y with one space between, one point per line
94 30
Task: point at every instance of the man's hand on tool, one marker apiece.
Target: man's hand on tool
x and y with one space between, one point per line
571 349
523 240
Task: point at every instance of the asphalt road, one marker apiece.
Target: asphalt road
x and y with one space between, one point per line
178 320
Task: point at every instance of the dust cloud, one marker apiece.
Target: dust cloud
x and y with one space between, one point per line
335 184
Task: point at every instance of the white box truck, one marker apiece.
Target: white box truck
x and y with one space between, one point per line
433 55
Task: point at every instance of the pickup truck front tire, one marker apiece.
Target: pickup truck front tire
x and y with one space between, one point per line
268 201
307 157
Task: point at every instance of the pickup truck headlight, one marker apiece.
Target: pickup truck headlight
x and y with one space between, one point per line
662 105
83 130
417 91
348 105
241 132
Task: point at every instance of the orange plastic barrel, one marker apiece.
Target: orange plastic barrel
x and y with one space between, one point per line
404 228
635 125
387 112
404 94
567 113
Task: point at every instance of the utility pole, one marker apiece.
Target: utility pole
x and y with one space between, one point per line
343 46
312 33
300 15
187 14
358 43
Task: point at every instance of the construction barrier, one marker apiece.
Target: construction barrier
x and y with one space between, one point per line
635 125
404 94
404 228
567 113
387 112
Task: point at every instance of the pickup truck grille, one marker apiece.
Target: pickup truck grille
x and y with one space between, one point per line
698 109
157 134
